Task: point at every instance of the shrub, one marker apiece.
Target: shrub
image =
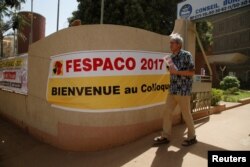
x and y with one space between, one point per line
228 98
230 82
232 91
216 96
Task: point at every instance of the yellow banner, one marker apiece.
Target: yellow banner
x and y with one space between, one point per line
107 80
11 63
108 93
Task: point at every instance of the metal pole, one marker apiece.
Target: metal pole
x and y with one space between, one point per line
15 41
14 53
203 53
31 24
58 12
102 12
186 34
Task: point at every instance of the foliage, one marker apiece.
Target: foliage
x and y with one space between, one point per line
13 3
10 19
230 82
3 10
204 30
4 27
216 96
156 15
231 91
241 94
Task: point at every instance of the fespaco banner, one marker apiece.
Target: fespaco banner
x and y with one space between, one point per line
102 81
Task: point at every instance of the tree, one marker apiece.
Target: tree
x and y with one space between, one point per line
154 15
4 27
12 20
3 10
204 30
14 3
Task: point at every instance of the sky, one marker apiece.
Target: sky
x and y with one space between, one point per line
48 8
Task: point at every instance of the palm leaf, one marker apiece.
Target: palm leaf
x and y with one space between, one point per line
5 26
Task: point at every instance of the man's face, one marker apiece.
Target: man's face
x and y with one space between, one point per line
174 46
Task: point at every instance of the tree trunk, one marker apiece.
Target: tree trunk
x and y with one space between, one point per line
1 41
14 54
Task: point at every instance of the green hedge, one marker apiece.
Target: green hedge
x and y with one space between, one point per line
216 96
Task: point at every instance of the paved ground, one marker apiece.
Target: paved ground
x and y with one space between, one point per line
229 130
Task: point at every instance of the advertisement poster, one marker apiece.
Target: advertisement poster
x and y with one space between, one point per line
107 80
13 74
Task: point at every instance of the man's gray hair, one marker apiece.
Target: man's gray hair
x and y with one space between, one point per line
177 38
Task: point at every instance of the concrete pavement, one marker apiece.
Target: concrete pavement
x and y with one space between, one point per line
229 130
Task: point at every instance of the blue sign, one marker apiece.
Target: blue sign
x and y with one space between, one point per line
196 9
185 11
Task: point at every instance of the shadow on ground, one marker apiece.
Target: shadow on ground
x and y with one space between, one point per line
174 158
18 149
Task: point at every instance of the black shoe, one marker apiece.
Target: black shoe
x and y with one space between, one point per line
189 142
161 140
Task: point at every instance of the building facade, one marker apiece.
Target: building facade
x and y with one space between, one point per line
231 45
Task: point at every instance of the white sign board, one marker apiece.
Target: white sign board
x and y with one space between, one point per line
196 9
13 74
104 81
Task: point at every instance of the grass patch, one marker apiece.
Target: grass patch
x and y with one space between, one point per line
241 94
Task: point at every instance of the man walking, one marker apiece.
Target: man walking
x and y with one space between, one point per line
181 72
